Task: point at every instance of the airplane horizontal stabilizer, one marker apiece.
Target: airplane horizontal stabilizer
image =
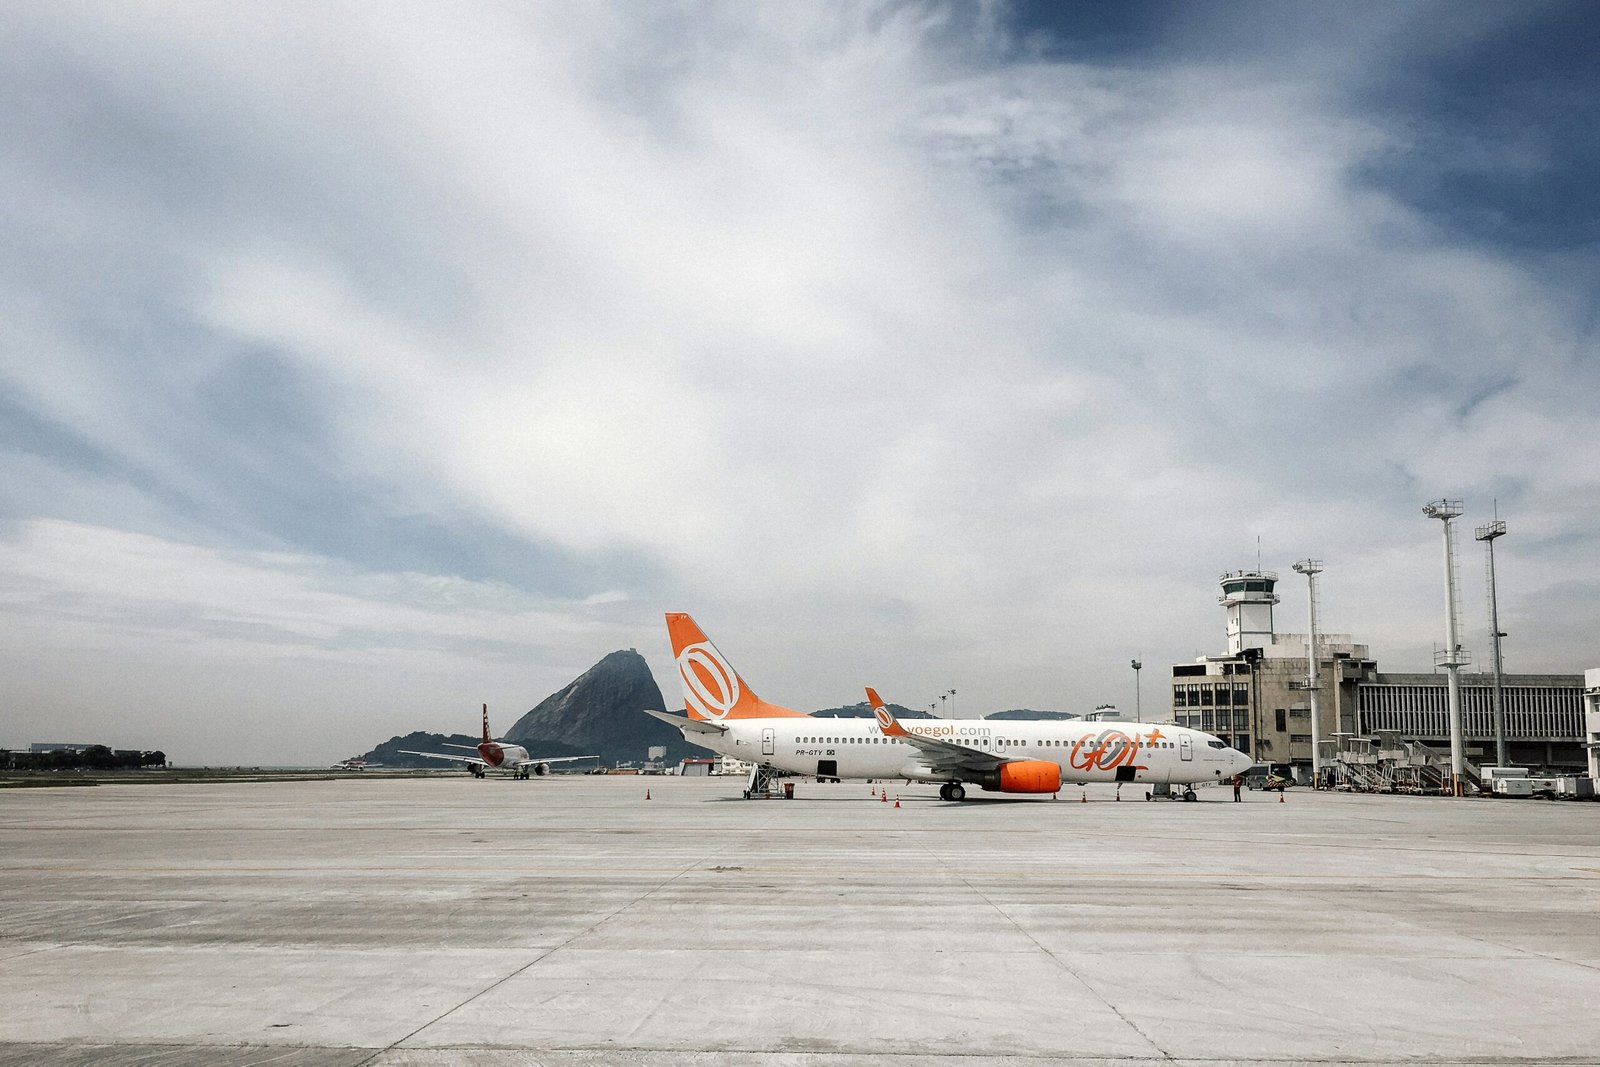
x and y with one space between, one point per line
683 722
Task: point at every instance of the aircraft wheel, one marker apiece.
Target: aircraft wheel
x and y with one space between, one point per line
957 792
1188 794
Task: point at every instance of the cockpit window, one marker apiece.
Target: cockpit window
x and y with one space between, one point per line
1216 744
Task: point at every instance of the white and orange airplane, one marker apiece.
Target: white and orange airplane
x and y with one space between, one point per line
499 756
1005 756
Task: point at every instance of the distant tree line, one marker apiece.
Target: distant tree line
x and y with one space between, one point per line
93 758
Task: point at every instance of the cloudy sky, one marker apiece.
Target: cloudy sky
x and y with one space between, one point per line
361 363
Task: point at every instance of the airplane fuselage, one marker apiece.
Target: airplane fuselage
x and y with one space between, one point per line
1084 751
500 754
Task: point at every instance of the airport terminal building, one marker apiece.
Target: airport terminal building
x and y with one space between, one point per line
1255 696
1591 720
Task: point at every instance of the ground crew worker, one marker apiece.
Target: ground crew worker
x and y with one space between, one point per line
1238 783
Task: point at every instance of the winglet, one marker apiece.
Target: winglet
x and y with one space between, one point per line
886 721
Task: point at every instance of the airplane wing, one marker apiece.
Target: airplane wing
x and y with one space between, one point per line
683 722
530 761
940 757
444 755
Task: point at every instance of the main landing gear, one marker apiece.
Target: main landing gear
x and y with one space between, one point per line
1163 791
952 791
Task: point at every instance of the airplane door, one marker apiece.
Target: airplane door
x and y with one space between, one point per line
1186 747
766 741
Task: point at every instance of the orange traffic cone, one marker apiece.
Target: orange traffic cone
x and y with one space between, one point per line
884 797
647 794
1085 796
897 802
1280 796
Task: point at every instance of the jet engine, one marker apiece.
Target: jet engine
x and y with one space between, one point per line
539 770
1023 776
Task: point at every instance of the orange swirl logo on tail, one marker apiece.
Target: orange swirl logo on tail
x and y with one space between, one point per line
710 686
1112 748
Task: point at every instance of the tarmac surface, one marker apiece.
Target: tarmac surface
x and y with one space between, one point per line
570 921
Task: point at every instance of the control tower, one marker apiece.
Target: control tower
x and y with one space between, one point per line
1249 597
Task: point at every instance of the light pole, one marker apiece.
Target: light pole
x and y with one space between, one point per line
942 698
1487 534
1311 568
1138 710
1453 657
952 696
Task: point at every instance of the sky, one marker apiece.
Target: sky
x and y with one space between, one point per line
363 363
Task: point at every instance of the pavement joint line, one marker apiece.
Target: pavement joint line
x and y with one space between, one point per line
497 983
1057 960
1515 953
519 1055
1053 873
52 947
833 1057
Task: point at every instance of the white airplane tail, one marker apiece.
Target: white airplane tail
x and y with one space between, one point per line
712 689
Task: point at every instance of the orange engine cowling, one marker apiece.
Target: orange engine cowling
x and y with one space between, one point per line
1023 776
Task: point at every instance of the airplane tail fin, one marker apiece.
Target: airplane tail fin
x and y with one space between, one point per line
886 721
712 689
486 736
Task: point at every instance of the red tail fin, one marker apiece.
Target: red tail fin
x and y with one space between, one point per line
486 722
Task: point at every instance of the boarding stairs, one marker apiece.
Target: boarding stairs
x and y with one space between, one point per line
1389 763
764 784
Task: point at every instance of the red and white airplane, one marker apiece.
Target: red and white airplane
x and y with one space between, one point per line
1005 756
499 756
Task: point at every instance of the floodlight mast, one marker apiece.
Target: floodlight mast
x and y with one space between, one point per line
1138 711
1311 568
1452 657
1487 534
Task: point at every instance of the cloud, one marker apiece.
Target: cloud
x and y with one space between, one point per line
895 341
164 644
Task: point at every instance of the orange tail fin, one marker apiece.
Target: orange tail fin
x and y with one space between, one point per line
712 689
886 721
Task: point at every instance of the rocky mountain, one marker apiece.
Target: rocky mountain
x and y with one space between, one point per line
863 710
602 711
1029 713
